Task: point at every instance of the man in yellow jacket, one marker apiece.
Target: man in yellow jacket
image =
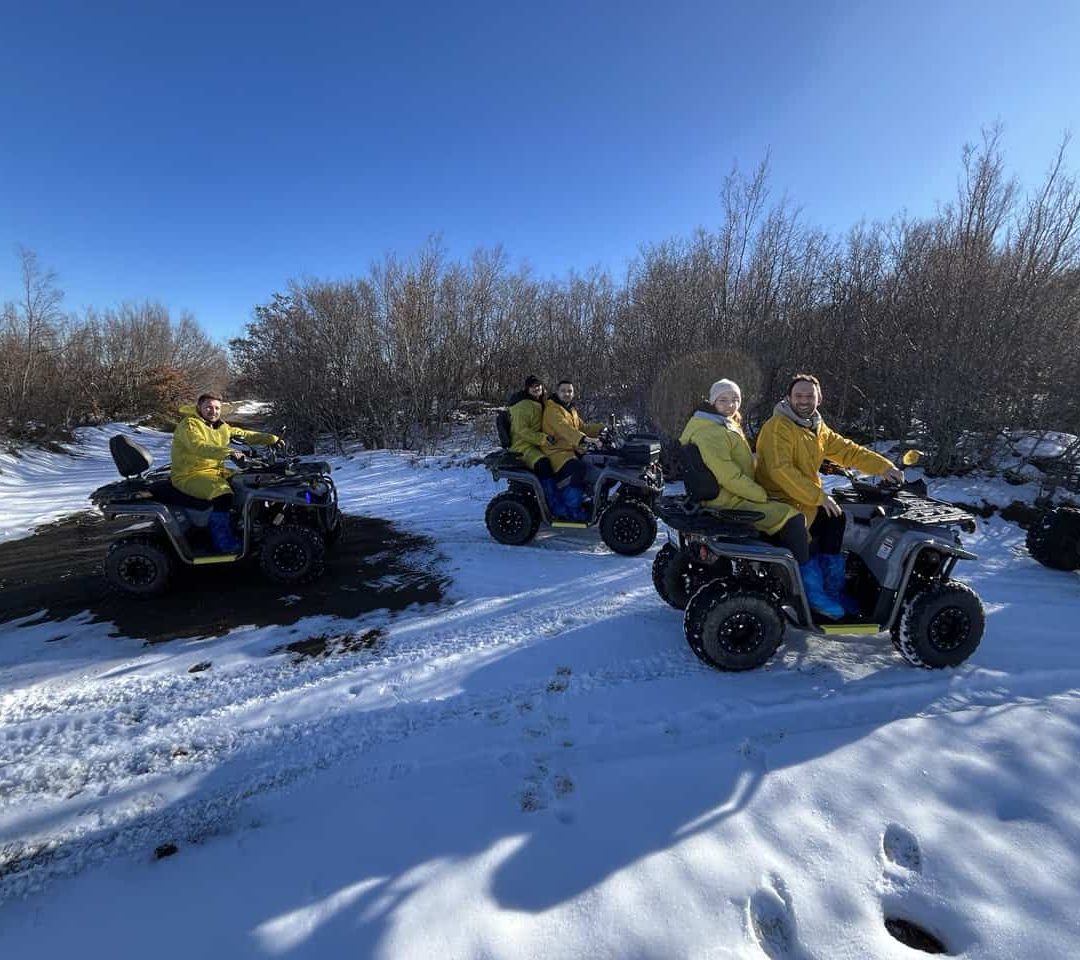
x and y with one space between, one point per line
791 447
567 438
200 448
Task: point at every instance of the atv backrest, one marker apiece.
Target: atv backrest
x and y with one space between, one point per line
698 479
131 458
502 428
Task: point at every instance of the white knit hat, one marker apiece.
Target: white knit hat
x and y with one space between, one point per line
714 390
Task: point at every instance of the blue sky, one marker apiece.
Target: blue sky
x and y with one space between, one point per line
203 154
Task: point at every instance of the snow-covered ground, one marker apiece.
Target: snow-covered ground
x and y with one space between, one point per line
39 486
537 768
250 408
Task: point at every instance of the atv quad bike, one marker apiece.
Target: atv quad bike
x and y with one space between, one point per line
740 592
286 510
623 475
1054 538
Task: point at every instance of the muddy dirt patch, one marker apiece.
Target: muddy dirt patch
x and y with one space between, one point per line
58 570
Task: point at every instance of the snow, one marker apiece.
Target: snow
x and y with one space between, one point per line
250 408
39 486
536 768
1044 445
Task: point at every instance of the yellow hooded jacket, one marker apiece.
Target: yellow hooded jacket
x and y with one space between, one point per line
726 453
527 428
199 452
789 457
565 431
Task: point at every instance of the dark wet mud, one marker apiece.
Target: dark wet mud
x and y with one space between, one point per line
58 571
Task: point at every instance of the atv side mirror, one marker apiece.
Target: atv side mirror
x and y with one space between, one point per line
911 457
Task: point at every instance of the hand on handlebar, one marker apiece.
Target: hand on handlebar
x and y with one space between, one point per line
831 507
893 475
237 456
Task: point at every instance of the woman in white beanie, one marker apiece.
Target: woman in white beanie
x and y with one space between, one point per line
717 433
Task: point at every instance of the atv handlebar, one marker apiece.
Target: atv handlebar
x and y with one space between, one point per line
275 459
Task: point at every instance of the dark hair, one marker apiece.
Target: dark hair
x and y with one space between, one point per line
533 380
561 382
208 396
803 378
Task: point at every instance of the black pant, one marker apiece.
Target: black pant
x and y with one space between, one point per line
542 468
827 533
793 536
573 471
222 504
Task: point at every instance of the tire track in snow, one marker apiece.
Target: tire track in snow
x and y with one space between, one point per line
282 755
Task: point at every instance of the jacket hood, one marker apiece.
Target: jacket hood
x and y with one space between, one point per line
190 410
714 417
525 395
784 409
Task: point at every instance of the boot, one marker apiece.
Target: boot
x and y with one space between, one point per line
221 533
814 586
551 494
571 504
833 570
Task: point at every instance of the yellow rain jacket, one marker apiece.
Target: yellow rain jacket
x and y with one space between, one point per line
199 452
527 428
727 455
565 432
789 457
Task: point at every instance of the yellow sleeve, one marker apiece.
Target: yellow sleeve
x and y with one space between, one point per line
253 437
777 449
716 453
519 425
850 454
189 439
562 426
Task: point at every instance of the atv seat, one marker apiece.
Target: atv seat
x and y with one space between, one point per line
502 428
698 479
505 460
686 516
164 492
131 458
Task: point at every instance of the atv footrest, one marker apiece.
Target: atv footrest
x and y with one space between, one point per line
854 629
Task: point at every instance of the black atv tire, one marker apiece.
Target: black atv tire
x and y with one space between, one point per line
940 627
292 554
139 566
628 527
670 576
332 535
732 629
512 518
1054 539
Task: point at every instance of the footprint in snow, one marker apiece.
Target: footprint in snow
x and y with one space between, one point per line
901 848
903 901
772 921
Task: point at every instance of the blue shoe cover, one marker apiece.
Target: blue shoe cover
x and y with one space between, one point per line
221 533
833 570
814 586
